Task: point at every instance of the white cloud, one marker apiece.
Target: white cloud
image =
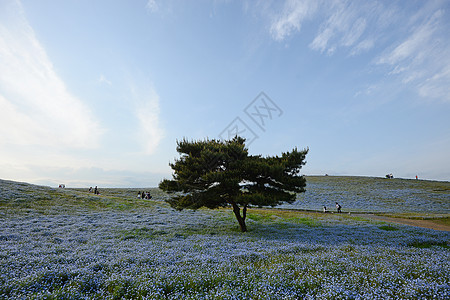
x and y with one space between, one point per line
355 32
36 107
414 46
47 134
103 79
321 40
363 46
344 27
291 17
438 85
152 6
18 128
149 133
422 59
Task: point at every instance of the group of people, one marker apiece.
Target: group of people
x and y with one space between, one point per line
144 195
338 208
95 190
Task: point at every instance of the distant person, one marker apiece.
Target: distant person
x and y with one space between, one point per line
417 177
338 207
139 195
325 209
96 191
90 189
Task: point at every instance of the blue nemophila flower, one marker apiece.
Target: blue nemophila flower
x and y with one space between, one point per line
164 254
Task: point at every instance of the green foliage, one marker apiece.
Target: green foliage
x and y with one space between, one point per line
215 174
388 228
428 244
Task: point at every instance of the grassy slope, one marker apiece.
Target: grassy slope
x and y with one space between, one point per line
18 197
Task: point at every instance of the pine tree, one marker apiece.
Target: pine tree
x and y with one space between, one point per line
213 173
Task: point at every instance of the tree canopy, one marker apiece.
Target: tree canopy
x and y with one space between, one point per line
214 173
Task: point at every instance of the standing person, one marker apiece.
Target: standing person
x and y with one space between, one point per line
338 207
139 195
96 190
324 209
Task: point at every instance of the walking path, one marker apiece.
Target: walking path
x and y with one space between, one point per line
410 222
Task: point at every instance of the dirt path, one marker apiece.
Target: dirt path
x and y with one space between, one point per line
410 222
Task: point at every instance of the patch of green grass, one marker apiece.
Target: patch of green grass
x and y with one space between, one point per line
283 217
416 216
428 244
260 217
304 221
442 221
388 228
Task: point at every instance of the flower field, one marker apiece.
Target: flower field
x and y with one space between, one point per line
69 244
369 194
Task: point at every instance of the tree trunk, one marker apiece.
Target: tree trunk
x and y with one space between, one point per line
237 213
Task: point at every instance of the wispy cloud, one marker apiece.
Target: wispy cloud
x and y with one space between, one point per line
421 59
35 106
414 46
149 133
343 24
152 6
102 79
290 19
438 85
363 46
346 26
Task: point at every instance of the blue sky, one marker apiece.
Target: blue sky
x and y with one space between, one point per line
98 92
